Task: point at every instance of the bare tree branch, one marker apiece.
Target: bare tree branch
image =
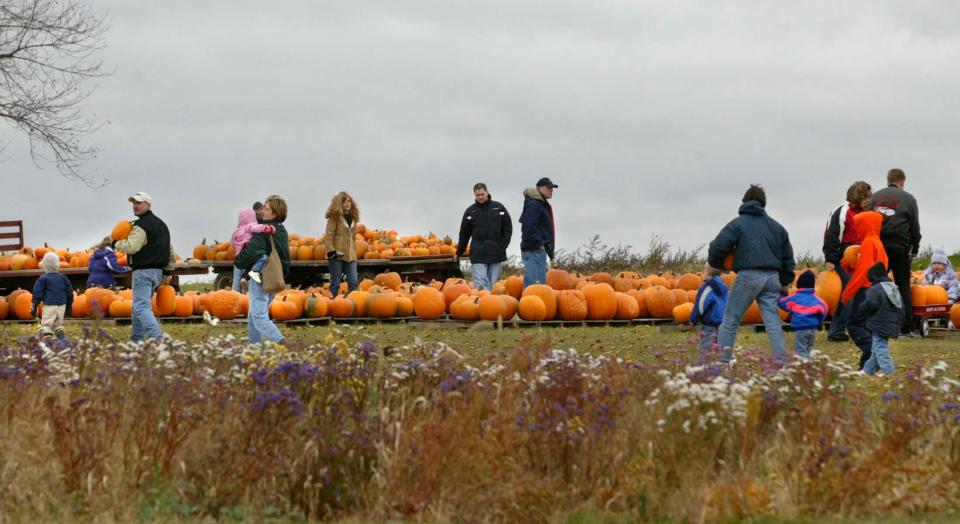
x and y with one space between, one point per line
48 55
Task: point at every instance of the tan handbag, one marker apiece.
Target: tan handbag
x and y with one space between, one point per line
272 274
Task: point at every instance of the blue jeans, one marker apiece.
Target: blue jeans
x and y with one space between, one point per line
534 267
879 357
337 270
484 275
259 325
144 281
237 276
803 340
841 315
764 286
708 340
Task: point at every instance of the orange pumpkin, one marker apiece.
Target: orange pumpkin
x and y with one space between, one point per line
729 279
627 308
641 297
532 308
465 307
547 295
514 286
22 305
752 315
572 305
829 288
601 301
359 299
559 279
121 308
492 307
283 310
512 305
166 298
728 260
681 313
452 290
389 280
382 305
429 303
955 315
225 304
121 230
183 307
851 256
660 302
404 307
4 309
98 301
341 307
689 282
79 309
315 306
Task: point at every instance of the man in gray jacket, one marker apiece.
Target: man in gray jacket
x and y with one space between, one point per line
900 235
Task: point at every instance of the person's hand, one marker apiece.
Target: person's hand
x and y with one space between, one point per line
830 266
33 311
269 229
711 271
166 279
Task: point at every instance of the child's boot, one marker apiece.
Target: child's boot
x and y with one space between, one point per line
255 276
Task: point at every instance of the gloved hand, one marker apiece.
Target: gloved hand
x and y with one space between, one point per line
269 229
33 311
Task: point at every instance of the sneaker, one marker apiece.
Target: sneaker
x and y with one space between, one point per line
255 276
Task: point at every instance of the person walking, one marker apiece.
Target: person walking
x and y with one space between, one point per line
259 325
150 255
868 225
487 229
764 264
538 232
837 237
900 236
54 291
341 241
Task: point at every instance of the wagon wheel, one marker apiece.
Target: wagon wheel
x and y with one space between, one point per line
223 281
924 327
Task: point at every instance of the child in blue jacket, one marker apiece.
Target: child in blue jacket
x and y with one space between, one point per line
807 312
54 291
708 308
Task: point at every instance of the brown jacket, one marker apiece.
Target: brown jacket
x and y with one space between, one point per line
342 238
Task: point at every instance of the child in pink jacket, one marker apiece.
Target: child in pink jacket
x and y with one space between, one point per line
247 226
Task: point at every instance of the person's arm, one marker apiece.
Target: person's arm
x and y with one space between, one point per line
466 229
39 289
171 260
789 264
832 240
329 234
870 303
724 243
914 228
506 228
133 243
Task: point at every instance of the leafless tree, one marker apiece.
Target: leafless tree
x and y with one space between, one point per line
48 56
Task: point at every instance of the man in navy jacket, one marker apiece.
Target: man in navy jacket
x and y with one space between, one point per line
537 232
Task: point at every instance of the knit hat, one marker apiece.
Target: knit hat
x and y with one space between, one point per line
806 280
939 258
50 263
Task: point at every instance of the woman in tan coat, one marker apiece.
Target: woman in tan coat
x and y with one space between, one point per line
341 241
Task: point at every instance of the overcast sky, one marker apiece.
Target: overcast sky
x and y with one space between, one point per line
653 117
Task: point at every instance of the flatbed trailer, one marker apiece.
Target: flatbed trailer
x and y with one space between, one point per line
25 278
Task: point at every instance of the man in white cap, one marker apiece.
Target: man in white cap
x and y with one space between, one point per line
150 255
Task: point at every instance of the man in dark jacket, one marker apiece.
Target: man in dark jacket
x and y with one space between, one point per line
883 308
900 235
537 232
150 255
764 265
487 222
837 237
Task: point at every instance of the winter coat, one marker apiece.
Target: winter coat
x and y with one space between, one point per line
53 288
840 233
537 228
868 224
946 279
901 218
342 237
710 303
882 304
148 245
806 309
247 226
259 245
103 264
489 227
760 243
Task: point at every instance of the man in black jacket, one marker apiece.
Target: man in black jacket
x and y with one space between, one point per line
487 222
900 235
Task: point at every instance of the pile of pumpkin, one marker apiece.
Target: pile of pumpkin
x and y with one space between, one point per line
29 258
371 244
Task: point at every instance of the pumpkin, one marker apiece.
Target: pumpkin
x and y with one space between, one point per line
547 295
627 307
452 289
341 307
752 315
465 307
389 280
829 287
641 297
359 299
622 285
531 307
601 301
729 279
98 301
22 304
79 308
305 252
429 303
681 313
121 308
491 307
728 260
225 304
166 300
955 315
121 230
514 286
4 309
660 302
851 256
657 280
19 261
183 307
283 310
512 305
559 279
680 294
382 305
315 306
572 305
689 282
404 306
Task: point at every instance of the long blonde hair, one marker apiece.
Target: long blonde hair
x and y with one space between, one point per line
336 207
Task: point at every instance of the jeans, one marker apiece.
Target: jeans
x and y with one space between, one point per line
857 327
880 357
259 325
484 275
534 267
803 340
237 276
708 340
900 267
144 324
337 269
764 286
841 315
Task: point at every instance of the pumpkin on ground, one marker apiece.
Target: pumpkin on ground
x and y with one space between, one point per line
829 288
681 313
602 301
382 305
559 279
341 307
389 280
465 307
184 307
660 302
315 306
641 297
22 304
627 307
359 299
121 308
531 307
572 305
404 306
547 295
689 282
429 303
452 290
166 300
514 286
492 307
283 310
225 304
512 305
4 309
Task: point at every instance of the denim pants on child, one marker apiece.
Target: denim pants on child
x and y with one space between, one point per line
534 267
259 325
143 323
803 340
237 276
879 357
764 286
337 270
708 340
51 321
484 275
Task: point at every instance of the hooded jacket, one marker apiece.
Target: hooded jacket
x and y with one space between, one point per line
882 304
537 226
760 243
868 224
259 245
710 303
247 226
488 225
103 264
53 288
806 309
901 222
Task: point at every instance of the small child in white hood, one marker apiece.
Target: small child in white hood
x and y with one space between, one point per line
54 291
940 273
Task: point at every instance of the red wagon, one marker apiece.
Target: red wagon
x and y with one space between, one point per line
924 315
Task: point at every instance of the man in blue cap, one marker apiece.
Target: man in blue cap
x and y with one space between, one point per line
537 232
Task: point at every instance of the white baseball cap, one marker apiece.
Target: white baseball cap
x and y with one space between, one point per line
141 196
